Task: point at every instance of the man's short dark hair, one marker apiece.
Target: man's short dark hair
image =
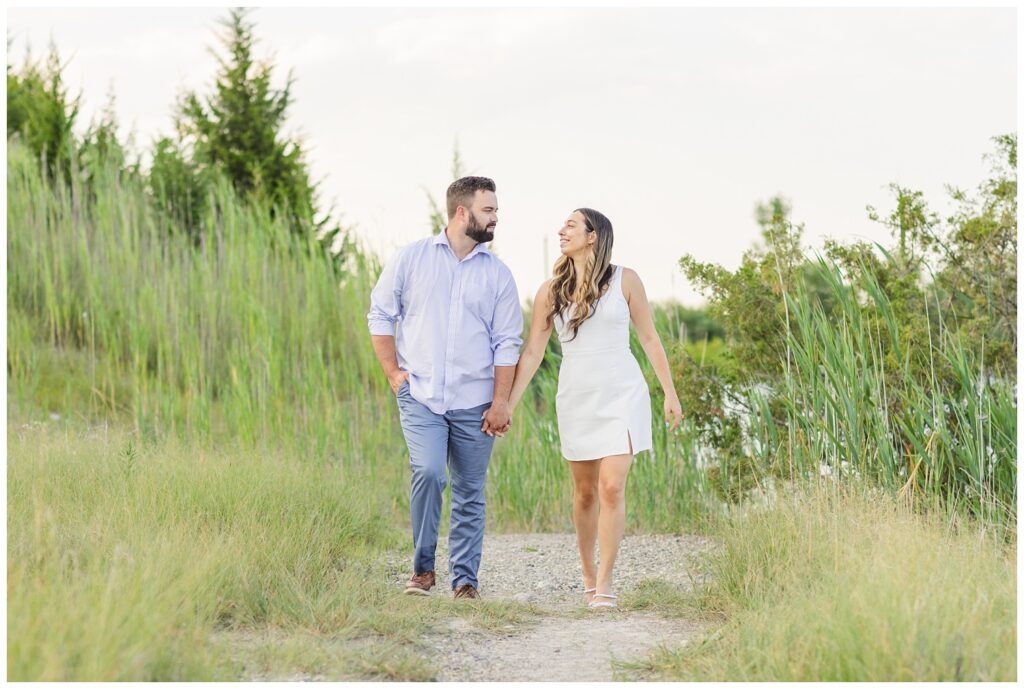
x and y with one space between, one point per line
462 191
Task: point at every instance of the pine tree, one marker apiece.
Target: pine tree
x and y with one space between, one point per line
238 128
40 111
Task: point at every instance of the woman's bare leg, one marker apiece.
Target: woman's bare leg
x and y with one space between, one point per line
585 516
612 520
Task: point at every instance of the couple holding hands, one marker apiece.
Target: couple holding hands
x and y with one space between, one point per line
446 326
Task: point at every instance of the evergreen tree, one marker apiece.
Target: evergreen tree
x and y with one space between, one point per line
40 112
238 130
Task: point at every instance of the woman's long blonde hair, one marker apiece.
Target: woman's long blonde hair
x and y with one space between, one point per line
567 288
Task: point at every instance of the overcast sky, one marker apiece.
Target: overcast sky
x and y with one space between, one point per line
674 122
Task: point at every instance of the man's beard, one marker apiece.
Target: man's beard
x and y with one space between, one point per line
478 232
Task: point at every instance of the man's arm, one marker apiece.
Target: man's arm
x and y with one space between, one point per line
506 338
497 418
384 348
385 311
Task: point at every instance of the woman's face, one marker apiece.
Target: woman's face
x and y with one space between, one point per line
573 238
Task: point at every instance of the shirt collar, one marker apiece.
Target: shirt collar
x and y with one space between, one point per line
442 238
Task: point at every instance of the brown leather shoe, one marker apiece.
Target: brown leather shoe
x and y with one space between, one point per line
466 591
420 584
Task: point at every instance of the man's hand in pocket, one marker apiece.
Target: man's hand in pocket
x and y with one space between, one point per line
397 378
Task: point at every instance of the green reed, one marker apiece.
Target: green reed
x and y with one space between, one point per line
248 338
855 406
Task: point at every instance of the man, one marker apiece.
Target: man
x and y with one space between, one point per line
451 364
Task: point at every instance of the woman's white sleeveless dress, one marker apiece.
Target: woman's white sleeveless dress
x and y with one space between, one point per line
603 402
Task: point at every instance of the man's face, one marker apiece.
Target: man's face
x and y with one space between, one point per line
482 216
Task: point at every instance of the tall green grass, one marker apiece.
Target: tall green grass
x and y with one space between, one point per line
245 337
249 339
852 405
123 560
843 582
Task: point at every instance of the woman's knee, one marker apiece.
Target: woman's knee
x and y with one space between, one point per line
612 490
586 493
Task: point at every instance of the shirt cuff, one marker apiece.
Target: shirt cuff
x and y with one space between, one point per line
380 327
506 356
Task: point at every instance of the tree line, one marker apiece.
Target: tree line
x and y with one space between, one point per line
235 131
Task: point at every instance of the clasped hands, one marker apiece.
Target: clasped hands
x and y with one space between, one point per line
497 419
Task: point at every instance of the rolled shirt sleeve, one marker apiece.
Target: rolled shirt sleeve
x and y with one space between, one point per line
386 300
507 325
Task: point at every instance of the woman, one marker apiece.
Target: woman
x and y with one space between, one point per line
603 405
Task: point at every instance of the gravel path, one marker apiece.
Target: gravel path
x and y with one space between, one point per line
569 643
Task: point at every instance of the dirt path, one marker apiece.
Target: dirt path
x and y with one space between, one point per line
569 643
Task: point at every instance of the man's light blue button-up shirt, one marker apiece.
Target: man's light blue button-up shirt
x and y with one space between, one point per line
455 321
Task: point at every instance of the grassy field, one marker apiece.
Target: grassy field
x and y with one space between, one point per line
848 584
204 455
173 562
205 469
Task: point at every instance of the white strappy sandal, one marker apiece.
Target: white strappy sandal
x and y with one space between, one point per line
586 591
603 603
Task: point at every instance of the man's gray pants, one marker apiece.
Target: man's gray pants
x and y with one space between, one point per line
436 441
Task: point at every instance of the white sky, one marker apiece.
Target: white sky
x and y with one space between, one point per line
674 122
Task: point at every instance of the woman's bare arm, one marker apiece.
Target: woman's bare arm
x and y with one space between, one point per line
643 321
536 343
